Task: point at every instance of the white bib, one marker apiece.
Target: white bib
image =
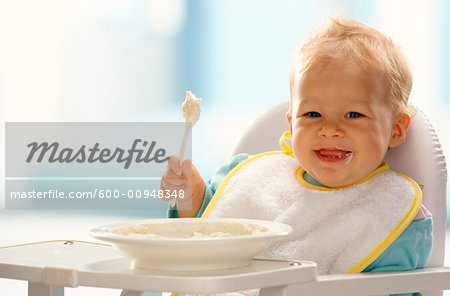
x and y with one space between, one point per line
342 230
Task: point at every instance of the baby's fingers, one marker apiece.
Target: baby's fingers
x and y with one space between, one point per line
186 168
171 178
174 164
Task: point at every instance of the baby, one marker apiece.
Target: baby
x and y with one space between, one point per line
349 87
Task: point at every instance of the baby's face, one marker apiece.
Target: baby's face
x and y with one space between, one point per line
341 127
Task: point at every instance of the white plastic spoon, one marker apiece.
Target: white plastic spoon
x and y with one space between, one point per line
191 113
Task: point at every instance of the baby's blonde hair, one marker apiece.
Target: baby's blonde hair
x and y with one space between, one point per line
343 40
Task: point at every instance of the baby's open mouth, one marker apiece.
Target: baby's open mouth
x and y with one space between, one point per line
333 154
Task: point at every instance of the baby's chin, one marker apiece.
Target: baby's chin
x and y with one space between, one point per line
338 184
335 179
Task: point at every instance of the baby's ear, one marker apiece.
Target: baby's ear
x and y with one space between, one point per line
289 119
399 130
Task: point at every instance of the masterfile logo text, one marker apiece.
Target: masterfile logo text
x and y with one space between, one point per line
73 161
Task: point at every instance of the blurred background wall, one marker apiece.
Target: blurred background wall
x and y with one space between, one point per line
132 60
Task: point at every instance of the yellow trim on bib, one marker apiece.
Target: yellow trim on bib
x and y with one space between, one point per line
283 144
212 204
395 233
300 171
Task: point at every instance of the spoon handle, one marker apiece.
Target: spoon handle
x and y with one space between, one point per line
187 132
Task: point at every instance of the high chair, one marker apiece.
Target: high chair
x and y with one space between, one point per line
50 266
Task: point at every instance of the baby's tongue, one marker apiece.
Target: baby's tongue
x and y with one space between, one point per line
333 152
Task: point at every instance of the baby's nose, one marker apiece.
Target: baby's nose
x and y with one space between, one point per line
331 130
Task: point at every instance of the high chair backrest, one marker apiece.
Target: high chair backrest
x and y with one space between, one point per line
419 157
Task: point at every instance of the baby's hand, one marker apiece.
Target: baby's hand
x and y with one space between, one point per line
184 183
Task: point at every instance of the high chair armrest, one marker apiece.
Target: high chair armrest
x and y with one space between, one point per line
362 284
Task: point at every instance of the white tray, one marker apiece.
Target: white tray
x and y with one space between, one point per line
75 263
50 266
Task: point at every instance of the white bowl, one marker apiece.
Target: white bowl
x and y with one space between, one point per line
173 244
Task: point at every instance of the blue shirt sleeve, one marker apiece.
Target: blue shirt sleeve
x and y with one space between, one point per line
213 183
411 250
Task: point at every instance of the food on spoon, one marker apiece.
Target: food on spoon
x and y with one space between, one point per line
191 108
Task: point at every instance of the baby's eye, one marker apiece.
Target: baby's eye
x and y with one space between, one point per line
353 115
313 114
